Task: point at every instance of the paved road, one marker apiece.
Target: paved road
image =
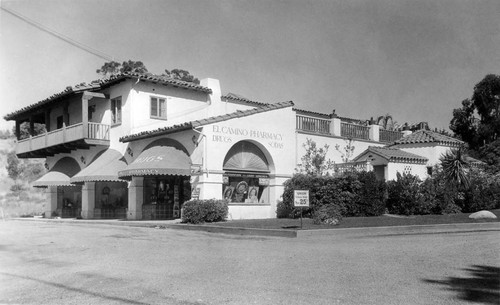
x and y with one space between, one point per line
60 263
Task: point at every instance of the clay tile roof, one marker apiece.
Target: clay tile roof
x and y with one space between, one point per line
238 98
103 83
202 122
312 113
394 155
427 136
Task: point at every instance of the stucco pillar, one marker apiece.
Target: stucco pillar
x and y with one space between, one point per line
135 198
374 133
88 200
335 127
51 201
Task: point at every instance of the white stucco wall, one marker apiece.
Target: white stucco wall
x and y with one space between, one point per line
419 170
333 154
431 151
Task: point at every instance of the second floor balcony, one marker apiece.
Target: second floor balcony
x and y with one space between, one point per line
64 140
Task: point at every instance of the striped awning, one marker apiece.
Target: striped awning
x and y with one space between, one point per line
60 174
159 161
104 167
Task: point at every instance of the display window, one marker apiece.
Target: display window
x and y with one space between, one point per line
245 188
163 196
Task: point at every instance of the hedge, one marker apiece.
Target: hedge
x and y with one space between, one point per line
198 211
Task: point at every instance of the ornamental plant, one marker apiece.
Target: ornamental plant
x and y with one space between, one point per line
199 211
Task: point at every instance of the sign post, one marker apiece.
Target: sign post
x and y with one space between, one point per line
301 200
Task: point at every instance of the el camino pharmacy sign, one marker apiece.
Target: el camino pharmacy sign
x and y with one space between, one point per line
301 198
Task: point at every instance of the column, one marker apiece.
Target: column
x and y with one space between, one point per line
88 200
51 201
135 198
335 127
374 133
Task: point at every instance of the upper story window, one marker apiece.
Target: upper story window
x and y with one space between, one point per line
158 108
116 110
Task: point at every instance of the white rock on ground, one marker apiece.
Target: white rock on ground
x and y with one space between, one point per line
482 215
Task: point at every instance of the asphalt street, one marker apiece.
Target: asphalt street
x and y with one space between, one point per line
61 263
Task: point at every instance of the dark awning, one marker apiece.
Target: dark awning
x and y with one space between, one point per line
104 167
159 160
60 174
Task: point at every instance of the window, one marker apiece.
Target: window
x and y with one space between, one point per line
158 108
116 111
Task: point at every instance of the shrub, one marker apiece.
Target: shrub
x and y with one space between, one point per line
197 211
352 194
404 195
483 192
327 214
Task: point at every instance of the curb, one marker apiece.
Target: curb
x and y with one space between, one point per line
342 232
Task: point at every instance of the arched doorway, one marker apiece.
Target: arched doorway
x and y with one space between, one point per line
246 174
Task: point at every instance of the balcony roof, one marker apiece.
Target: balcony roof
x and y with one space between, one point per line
102 84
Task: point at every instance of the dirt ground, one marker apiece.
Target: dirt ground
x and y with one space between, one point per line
61 263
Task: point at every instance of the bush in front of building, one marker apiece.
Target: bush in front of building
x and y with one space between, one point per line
350 194
199 211
483 192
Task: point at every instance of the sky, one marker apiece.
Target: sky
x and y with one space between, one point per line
415 60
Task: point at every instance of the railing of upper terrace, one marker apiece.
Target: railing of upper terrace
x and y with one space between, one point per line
389 136
338 127
313 124
354 131
94 131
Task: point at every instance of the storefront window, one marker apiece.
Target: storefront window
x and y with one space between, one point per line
163 197
245 188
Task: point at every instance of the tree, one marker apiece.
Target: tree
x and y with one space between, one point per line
181 75
347 151
314 162
113 68
455 167
24 130
477 122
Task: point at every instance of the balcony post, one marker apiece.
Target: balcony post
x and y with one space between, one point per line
85 115
47 120
18 130
32 126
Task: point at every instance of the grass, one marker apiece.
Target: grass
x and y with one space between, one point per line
357 222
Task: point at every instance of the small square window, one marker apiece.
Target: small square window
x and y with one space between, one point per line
158 108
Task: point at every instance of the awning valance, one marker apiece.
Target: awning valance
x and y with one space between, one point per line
60 174
157 161
104 167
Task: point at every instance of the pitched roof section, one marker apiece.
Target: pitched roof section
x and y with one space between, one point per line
107 82
241 99
393 155
427 136
202 122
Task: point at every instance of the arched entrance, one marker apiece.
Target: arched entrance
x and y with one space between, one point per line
246 174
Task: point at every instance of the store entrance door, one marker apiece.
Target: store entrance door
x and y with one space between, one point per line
164 196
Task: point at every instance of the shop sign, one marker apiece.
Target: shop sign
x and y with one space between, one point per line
301 198
245 175
263 181
196 169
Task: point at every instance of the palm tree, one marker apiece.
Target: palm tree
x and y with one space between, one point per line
386 122
455 167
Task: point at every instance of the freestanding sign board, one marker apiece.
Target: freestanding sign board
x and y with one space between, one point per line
301 198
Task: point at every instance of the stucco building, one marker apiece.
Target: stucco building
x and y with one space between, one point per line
138 146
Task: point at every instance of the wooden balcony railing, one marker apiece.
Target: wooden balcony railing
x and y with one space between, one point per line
354 131
91 131
312 124
389 136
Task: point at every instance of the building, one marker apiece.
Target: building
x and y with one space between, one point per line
138 146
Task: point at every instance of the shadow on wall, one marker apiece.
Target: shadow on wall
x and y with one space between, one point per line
482 285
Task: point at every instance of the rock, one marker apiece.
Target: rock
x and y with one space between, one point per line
483 215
